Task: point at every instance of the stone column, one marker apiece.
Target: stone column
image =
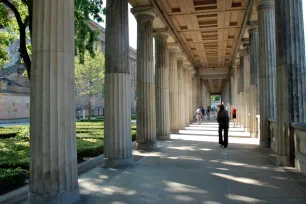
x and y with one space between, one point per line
241 91
267 66
291 69
117 118
186 94
246 95
191 105
199 90
146 108
181 87
162 86
173 89
254 90
53 163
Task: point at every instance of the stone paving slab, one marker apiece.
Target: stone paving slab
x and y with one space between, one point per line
193 171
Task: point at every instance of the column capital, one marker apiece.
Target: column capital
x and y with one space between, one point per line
143 12
174 47
161 33
264 4
181 56
252 27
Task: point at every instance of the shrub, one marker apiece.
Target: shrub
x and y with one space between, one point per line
4 135
12 178
89 148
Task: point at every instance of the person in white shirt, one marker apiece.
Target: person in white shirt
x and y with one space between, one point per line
199 115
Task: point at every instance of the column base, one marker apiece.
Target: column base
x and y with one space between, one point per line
283 160
264 144
118 163
164 137
56 198
247 129
146 147
254 135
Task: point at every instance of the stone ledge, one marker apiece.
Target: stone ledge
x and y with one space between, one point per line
299 126
22 193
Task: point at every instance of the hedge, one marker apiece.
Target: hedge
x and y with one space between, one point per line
5 135
12 178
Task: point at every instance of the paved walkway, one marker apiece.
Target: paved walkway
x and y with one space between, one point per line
192 168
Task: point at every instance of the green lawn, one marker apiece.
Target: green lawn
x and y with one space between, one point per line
14 149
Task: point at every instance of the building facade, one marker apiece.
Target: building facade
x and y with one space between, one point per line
15 87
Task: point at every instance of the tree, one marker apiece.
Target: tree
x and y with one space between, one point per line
89 76
84 35
215 98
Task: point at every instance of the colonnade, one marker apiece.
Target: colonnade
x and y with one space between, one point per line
255 87
268 79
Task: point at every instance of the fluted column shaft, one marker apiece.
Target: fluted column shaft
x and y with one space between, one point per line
254 63
241 92
291 71
246 94
162 87
186 93
117 122
199 92
53 164
173 91
191 102
181 100
254 89
146 108
267 66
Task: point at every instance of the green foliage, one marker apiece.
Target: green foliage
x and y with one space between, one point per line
85 37
15 152
89 77
89 148
215 98
7 134
12 178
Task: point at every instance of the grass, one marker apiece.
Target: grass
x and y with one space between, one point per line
15 148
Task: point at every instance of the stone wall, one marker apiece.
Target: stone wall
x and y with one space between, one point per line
14 106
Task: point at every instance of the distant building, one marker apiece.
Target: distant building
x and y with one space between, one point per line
15 88
14 93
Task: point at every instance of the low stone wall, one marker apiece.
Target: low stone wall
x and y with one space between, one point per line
273 139
300 145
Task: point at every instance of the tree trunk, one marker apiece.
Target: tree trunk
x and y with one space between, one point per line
89 110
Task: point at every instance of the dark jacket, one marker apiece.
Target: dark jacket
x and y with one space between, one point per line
222 117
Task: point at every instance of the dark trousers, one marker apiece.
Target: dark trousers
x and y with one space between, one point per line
225 128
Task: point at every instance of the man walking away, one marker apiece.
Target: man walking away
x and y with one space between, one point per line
208 112
223 121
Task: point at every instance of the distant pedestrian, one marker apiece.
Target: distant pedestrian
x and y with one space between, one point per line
199 115
223 121
234 116
203 112
208 112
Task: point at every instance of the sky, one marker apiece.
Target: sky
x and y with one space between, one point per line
133 25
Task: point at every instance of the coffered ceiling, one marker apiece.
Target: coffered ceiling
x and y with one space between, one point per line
208 30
